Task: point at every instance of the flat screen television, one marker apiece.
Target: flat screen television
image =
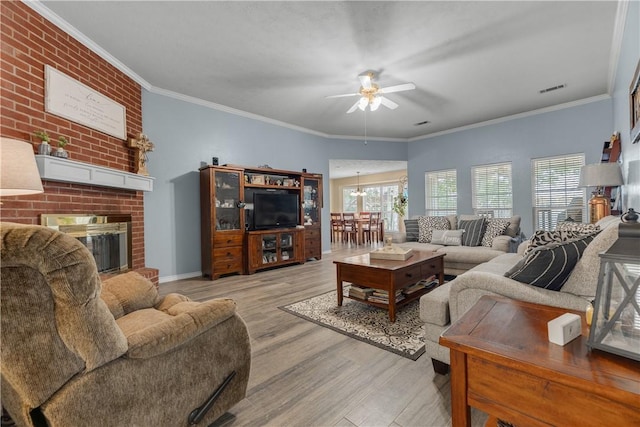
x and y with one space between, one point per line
275 210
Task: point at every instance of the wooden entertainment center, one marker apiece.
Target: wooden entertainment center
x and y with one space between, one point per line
236 238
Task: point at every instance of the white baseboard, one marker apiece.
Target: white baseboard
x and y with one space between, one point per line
165 279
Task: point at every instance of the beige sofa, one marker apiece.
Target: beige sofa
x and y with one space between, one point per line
459 259
451 300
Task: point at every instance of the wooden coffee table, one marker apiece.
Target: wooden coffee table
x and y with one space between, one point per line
503 364
389 276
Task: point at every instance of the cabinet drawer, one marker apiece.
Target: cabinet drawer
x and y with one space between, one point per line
227 239
431 268
226 260
311 233
407 276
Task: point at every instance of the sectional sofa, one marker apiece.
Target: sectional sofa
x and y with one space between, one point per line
450 301
460 258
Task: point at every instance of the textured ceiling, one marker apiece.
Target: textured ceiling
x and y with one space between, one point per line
470 61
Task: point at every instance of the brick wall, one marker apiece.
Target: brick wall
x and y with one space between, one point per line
28 42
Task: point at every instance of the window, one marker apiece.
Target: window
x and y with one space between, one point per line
556 195
441 193
349 202
379 198
491 190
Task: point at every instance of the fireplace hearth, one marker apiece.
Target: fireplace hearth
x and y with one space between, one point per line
107 236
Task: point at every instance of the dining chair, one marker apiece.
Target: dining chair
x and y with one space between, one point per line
337 226
375 227
350 228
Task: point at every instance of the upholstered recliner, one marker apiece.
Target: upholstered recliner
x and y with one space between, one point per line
78 352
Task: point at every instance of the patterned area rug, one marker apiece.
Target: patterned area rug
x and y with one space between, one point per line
366 323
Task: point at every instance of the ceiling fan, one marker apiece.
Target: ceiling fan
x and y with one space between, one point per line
371 94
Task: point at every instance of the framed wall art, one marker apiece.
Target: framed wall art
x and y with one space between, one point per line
634 105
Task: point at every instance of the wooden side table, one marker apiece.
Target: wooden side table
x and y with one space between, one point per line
503 364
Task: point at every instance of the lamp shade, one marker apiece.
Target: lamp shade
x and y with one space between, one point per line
18 170
601 175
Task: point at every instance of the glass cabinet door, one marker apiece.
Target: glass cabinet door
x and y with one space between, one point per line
311 202
227 197
286 246
269 248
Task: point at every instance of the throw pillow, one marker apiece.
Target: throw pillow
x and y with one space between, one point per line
426 225
543 238
577 226
549 266
447 237
473 231
495 227
411 227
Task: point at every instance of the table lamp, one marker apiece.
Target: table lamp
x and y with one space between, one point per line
600 175
18 170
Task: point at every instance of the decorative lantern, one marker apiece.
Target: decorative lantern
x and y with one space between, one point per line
615 327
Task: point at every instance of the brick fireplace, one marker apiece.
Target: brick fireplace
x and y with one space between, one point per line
28 42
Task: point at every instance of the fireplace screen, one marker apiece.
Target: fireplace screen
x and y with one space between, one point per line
106 236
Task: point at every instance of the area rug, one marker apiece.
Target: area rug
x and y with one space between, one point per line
366 323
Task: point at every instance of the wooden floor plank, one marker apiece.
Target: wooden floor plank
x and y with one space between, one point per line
303 374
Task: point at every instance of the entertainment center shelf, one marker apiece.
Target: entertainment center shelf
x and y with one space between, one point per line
256 218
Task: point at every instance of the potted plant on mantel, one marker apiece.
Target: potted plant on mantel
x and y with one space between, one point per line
44 147
61 152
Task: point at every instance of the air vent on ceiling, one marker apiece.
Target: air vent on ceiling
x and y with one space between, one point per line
421 123
552 88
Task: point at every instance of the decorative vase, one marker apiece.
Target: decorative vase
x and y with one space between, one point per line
44 148
61 152
630 216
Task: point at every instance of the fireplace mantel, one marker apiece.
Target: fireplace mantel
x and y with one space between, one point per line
65 170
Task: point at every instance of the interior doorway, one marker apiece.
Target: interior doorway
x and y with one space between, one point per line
382 181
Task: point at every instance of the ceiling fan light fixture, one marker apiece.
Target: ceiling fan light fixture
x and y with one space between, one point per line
375 103
362 104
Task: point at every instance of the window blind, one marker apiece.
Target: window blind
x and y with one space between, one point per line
556 195
491 190
441 196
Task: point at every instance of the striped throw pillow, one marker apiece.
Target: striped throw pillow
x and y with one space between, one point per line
411 227
549 266
473 231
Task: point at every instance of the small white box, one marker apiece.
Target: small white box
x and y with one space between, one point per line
564 328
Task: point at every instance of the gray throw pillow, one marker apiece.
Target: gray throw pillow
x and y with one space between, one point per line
473 231
549 266
447 237
411 227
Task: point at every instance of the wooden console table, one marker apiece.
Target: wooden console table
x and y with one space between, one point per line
503 364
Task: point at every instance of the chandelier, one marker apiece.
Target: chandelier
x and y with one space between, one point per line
358 192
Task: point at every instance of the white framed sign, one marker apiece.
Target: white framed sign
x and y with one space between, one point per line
75 101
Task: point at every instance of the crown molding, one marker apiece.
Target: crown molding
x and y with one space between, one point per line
616 43
515 116
230 110
56 20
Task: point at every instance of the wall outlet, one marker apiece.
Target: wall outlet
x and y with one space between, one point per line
564 328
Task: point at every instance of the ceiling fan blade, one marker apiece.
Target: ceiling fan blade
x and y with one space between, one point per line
388 103
365 80
397 88
354 107
342 95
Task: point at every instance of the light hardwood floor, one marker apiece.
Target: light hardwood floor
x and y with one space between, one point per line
303 374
